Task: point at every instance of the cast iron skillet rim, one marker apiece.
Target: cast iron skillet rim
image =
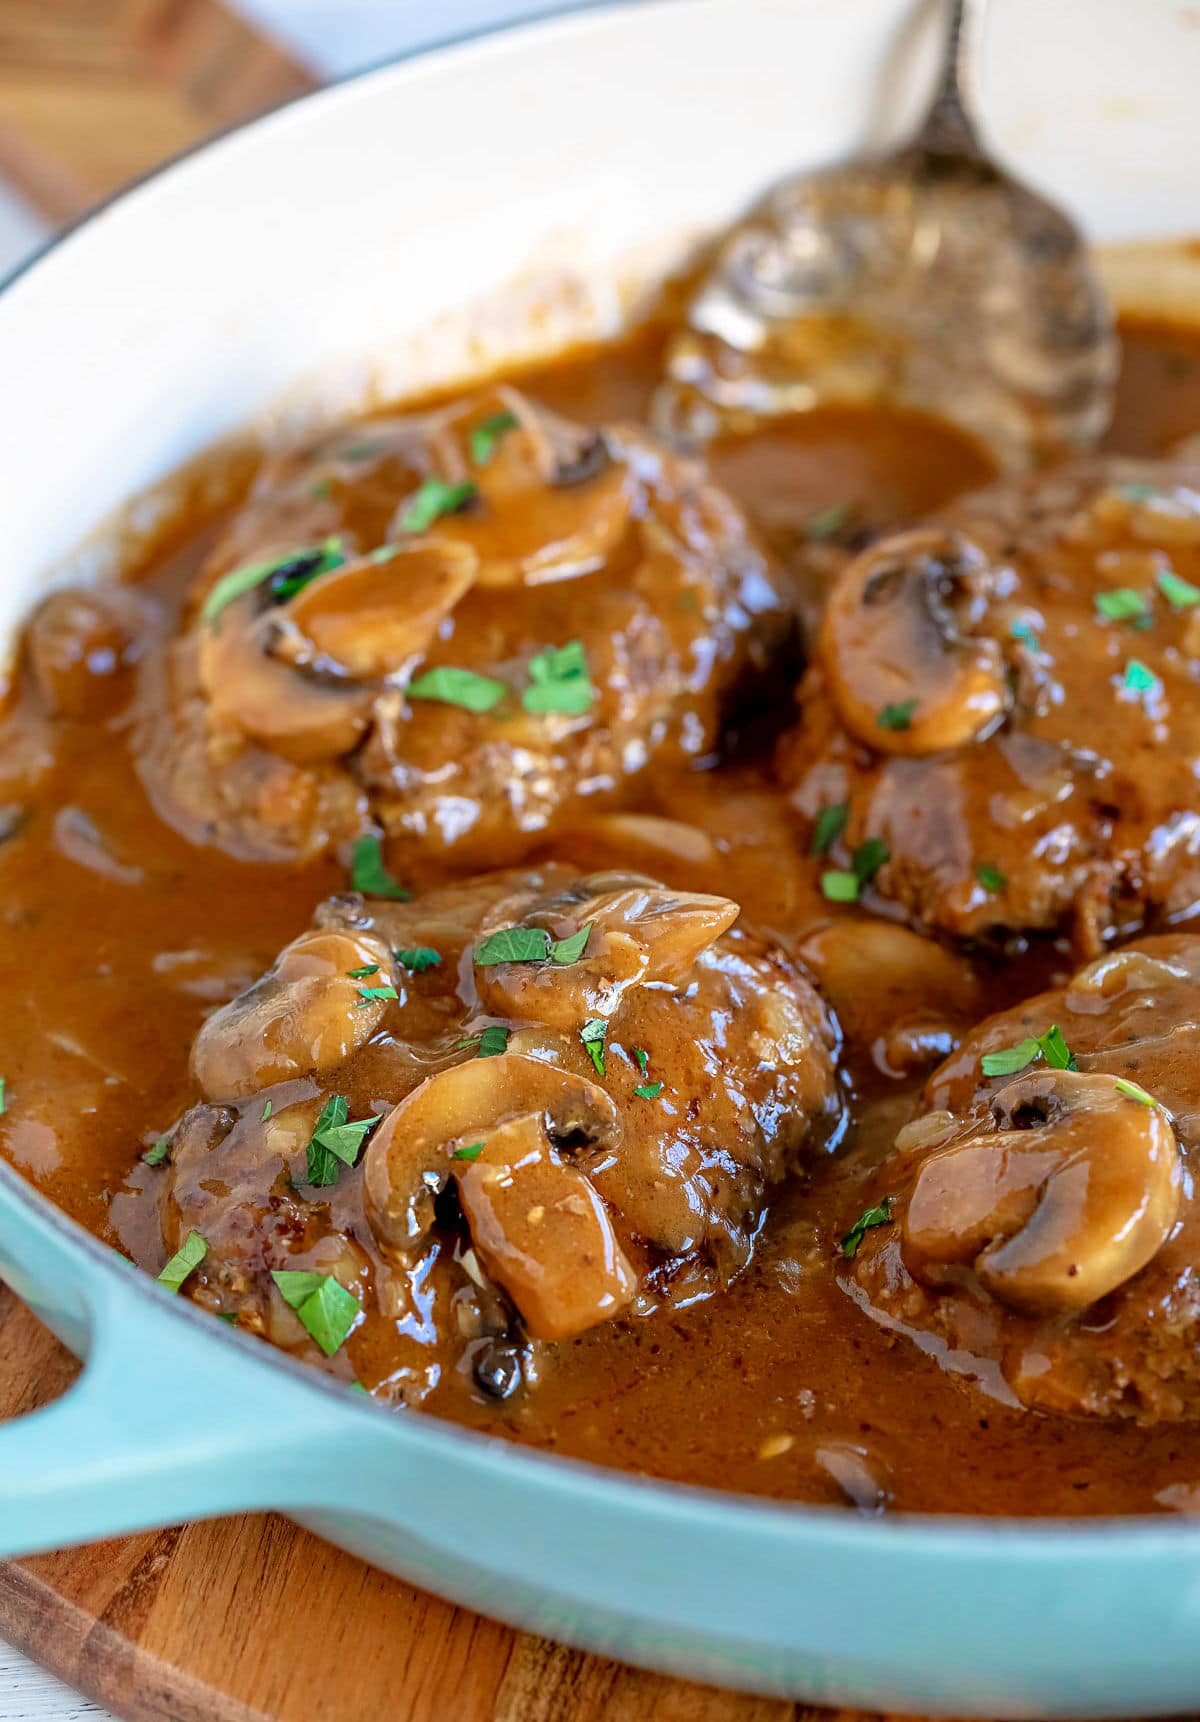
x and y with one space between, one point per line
1033 1537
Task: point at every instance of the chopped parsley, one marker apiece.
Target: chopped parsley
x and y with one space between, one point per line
570 949
1051 1046
327 1310
288 574
648 1090
3 1094
513 945
368 873
417 958
1138 678
268 1108
485 436
1134 1091
451 686
839 887
185 1261
1120 605
868 858
370 995
156 1155
592 1035
471 1152
433 499
530 945
897 716
866 1221
335 1139
493 1041
991 878
1179 593
831 822
559 680
641 1058
361 974
828 522
1024 632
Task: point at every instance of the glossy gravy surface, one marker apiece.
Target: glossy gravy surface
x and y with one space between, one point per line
121 935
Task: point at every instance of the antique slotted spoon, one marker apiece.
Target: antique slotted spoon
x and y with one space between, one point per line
926 277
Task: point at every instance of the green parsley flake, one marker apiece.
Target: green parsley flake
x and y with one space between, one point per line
450 686
493 1041
648 1090
327 1310
1134 1091
868 858
839 887
1051 1046
991 878
433 499
471 1152
368 873
321 491
869 1218
3 1094
483 439
828 522
1138 678
335 1139
642 1058
897 716
559 681
513 945
361 974
289 573
1179 593
592 1035
1024 632
156 1155
268 1108
417 958
185 1261
831 822
570 949
369 995
1121 604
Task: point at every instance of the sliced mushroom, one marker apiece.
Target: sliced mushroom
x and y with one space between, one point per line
640 932
410 1156
300 717
553 504
1059 1194
375 615
79 642
543 1233
305 1016
906 670
906 997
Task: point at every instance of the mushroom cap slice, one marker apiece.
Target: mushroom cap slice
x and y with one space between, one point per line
411 1155
298 716
305 1016
375 615
1061 1193
543 1233
906 671
553 503
641 931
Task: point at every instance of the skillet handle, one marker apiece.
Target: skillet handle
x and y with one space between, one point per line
169 1420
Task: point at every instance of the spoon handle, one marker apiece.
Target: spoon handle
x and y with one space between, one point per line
948 128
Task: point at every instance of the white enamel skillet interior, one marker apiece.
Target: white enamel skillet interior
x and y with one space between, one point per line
546 173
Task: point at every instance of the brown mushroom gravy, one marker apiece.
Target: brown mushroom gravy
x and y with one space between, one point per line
666 1124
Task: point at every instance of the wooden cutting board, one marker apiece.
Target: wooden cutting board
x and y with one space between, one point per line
250 1619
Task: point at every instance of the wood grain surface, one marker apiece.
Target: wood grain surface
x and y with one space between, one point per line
249 1619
